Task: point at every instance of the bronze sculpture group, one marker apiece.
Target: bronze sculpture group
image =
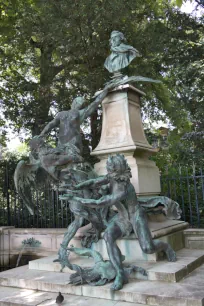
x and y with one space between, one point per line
90 197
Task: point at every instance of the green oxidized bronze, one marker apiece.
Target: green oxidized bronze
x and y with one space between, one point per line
102 272
121 56
48 163
62 165
91 197
130 217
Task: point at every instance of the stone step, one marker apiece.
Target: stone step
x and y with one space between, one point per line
18 297
170 231
187 261
188 292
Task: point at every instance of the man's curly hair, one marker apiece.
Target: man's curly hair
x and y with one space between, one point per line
118 168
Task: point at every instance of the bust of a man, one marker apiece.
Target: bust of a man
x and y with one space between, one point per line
121 54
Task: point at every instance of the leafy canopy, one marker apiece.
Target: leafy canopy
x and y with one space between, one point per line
53 50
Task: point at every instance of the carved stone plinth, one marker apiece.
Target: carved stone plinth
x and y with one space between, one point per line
122 132
169 231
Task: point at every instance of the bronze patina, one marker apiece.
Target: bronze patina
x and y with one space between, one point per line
88 196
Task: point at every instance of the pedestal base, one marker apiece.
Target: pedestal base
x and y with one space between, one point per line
145 174
170 231
160 271
189 291
122 132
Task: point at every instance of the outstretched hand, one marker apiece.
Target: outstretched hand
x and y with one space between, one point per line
108 87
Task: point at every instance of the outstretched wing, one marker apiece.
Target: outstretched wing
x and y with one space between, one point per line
133 79
27 177
141 79
127 80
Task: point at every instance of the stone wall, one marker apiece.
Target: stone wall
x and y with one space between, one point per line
11 242
194 238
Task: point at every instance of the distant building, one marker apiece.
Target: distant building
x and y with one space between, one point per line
163 131
163 141
158 139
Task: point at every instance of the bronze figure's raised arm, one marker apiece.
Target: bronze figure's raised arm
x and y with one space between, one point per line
69 121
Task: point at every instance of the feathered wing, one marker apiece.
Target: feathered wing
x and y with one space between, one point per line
142 79
27 177
133 79
128 80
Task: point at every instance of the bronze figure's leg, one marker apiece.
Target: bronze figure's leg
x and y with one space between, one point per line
112 233
71 231
147 244
93 234
51 162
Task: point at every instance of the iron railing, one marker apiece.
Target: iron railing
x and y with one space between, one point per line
49 211
185 187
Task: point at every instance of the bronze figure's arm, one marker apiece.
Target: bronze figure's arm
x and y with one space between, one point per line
94 105
104 201
51 125
92 183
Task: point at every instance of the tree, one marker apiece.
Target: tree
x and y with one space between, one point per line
52 51
180 2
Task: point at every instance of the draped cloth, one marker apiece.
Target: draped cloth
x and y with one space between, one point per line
170 208
120 57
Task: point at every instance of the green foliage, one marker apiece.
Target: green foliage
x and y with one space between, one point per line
185 186
179 3
177 152
2 133
31 242
52 51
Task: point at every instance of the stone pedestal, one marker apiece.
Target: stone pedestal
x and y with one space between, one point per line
122 132
169 231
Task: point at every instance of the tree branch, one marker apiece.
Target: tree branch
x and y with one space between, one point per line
200 2
35 44
57 69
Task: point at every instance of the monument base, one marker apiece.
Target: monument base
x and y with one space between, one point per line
145 174
122 132
160 287
157 271
189 291
170 231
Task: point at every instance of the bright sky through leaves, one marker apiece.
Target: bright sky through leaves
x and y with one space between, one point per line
188 7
